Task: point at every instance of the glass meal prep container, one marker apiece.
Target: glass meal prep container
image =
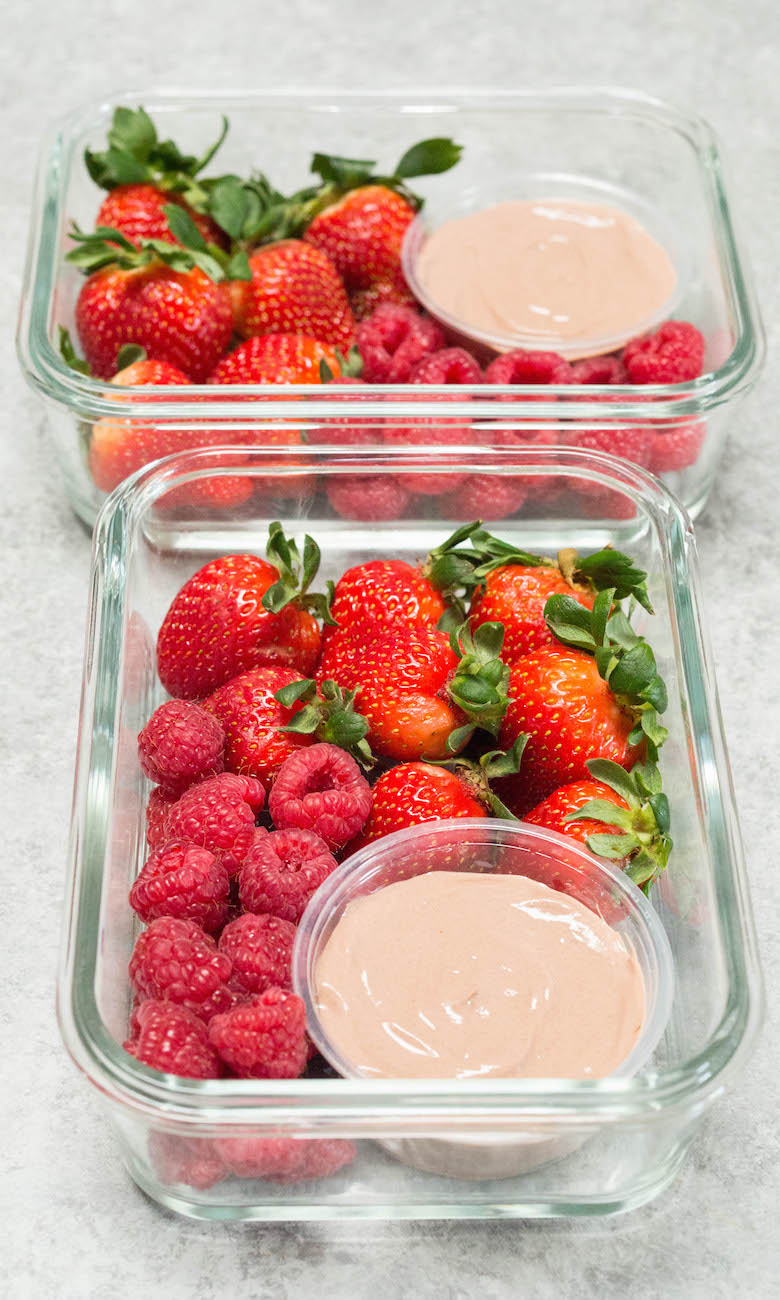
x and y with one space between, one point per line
225 1148
648 157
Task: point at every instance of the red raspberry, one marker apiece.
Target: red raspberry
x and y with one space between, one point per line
176 961
485 496
630 442
393 340
195 1162
219 815
522 367
449 366
157 812
678 448
180 879
180 744
429 430
285 1160
170 1038
598 370
263 1038
369 497
321 789
365 301
282 871
260 948
672 355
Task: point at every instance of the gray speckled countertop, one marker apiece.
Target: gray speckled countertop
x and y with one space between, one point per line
74 1226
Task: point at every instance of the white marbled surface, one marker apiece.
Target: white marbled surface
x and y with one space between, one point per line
73 1225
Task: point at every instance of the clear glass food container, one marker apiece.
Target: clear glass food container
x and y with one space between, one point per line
647 156
224 1148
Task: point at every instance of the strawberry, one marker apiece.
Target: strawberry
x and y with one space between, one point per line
239 612
254 721
412 793
392 591
181 317
294 289
597 695
514 587
275 359
138 212
616 814
422 693
360 219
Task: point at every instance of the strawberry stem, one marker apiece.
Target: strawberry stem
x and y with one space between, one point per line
296 574
330 715
136 156
479 686
643 826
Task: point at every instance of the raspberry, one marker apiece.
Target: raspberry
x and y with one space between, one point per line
429 430
365 301
678 448
180 879
260 949
157 812
393 340
369 497
521 367
674 354
321 789
174 960
195 1162
282 871
285 1160
172 1039
485 496
450 366
630 442
263 1038
219 815
598 370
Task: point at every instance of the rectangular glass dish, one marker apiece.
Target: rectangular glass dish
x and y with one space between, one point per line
597 1147
649 156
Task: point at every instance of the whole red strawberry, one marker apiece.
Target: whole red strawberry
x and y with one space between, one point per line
412 793
384 591
513 586
360 219
278 358
421 692
553 812
515 595
559 700
617 814
181 317
118 447
137 210
295 289
237 613
362 234
254 721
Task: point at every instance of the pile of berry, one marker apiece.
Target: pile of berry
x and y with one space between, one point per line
222 280
484 681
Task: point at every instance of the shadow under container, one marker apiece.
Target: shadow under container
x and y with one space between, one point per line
620 146
223 1148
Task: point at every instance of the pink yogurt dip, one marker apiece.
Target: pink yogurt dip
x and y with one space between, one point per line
465 975
548 272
